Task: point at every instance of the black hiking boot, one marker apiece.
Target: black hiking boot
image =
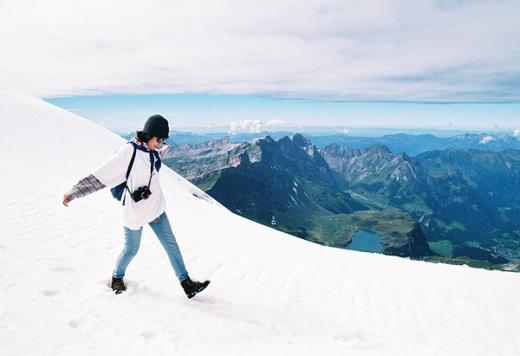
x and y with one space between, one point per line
192 287
118 285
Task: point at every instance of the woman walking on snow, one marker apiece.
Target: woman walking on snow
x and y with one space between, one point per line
132 173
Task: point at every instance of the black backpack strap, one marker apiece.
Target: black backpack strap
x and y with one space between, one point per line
151 168
129 169
132 163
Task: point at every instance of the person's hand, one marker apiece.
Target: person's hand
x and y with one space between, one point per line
66 200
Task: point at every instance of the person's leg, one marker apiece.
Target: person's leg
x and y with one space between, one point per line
161 227
132 242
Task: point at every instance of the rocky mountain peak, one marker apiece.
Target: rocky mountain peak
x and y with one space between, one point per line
301 141
224 141
268 139
378 148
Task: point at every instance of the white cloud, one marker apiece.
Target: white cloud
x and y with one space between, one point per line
252 126
371 50
274 122
486 139
516 133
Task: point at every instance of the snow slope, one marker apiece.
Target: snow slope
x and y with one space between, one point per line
271 293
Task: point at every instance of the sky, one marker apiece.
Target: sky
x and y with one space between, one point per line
383 59
255 113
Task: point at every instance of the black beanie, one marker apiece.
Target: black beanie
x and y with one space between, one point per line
157 126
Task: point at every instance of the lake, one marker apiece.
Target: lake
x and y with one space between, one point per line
366 241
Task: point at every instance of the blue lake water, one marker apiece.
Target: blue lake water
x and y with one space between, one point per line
366 241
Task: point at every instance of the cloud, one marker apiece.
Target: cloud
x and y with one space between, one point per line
516 133
486 139
274 123
252 126
412 50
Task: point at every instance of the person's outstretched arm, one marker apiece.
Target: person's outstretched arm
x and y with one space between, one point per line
85 186
109 174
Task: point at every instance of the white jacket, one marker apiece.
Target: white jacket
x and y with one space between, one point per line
113 172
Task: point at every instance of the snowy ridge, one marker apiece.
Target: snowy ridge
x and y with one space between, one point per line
271 293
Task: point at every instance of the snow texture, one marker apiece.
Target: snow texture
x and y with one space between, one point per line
271 293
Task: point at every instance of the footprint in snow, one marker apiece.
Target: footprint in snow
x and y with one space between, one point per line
50 292
148 335
60 267
74 323
209 299
357 340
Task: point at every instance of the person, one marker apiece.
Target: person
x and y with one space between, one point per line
142 199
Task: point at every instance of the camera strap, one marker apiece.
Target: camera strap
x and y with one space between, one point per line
154 160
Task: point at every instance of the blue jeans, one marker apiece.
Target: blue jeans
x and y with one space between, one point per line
161 227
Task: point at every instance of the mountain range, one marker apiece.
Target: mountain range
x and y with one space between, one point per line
411 144
463 202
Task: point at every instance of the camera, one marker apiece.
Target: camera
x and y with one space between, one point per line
141 193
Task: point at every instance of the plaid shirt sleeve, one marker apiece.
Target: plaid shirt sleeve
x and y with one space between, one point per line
85 186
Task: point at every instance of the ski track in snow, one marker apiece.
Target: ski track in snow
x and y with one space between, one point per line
271 293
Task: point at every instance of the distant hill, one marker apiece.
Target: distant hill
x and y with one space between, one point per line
416 144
